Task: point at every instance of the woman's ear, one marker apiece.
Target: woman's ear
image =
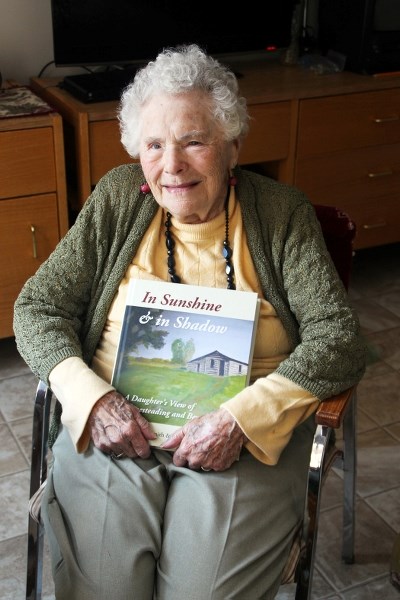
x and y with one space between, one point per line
236 144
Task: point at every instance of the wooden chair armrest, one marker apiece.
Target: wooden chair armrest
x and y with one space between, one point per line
331 411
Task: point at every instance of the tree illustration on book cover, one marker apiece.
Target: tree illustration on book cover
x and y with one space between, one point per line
187 357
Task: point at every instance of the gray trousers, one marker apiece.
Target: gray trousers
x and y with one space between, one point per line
147 530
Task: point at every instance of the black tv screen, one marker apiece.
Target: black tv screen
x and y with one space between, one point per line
365 32
106 32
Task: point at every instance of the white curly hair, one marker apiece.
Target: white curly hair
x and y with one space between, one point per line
177 70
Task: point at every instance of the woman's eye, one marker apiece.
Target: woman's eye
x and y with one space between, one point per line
194 143
155 146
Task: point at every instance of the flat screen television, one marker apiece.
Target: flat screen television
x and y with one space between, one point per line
365 32
120 32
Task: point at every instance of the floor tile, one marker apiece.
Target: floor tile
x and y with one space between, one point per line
13 562
364 421
374 317
372 534
380 589
14 494
12 459
387 346
394 430
378 462
391 301
387 506
11 363
379 398
376 271
22 430
17 396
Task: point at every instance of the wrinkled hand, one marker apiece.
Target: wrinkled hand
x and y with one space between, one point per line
211 442
117 427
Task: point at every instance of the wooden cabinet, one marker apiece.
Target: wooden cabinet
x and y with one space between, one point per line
348 154
269 136
335 136
95 144
33 204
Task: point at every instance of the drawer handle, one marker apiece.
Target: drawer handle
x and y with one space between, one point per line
389 119
375 225
34 246
380 174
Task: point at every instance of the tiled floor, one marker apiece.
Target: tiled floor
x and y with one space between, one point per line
375 293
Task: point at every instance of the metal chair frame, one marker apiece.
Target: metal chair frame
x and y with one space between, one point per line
331 414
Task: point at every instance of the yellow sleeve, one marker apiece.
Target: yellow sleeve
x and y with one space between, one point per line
77 388
268 411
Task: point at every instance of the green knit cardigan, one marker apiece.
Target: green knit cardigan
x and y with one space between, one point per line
62 309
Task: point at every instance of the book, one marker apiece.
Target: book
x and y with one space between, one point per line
183 350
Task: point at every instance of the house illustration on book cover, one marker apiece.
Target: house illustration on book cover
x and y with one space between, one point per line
217 364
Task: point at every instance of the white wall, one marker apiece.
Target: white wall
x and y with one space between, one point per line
26 40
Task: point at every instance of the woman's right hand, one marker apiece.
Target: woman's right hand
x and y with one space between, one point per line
117 427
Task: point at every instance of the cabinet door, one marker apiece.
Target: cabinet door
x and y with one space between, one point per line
106 149
269 133
28 234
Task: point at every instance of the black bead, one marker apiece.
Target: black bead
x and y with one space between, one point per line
169 242
226 251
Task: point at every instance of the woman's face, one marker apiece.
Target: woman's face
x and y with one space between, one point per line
185 159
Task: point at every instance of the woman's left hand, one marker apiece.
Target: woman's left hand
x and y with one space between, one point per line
211 442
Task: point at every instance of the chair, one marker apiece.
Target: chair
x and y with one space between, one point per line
332 414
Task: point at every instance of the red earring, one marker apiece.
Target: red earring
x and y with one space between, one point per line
145 188
232 180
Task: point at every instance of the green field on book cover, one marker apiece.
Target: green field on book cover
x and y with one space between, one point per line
183 350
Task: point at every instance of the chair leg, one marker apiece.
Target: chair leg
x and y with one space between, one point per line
315 476
38 475
349 481
35 560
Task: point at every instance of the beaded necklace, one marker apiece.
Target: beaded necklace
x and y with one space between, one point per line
226 250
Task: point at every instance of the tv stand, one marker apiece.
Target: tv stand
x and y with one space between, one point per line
334 136
98 86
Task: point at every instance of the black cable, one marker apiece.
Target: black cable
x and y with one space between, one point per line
45 67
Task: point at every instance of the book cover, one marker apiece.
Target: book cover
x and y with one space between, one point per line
183 350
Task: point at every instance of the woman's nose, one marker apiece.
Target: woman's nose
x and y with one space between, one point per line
173 160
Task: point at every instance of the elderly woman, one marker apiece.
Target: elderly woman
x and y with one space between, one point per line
215 518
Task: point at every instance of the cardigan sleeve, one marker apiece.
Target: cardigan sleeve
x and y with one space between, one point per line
50 309
77 388
61 310
268 411
331 354
299 278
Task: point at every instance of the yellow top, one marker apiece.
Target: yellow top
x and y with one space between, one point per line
268 409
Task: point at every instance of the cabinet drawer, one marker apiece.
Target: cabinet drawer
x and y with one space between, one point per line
348 121
19 245
106 150
365 173
27 163
269 134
